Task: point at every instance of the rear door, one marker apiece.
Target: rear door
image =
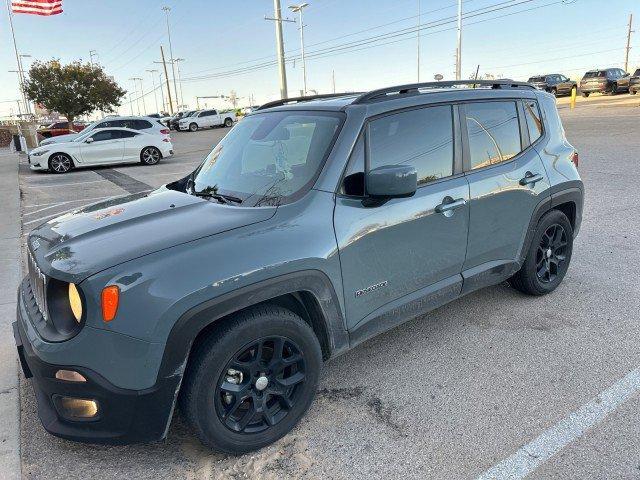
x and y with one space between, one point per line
404 251
107 147
507 180
132 146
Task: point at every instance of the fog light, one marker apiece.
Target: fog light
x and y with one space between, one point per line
70 376
77 407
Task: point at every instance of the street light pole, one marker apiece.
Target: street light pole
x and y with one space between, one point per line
178 60
92 53
27 106
135 88
155 94
173 67
459 49
144 105
298 9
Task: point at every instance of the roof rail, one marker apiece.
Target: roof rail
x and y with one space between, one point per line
414 88
285 101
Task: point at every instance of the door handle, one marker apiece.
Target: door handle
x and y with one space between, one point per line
449 204
531 178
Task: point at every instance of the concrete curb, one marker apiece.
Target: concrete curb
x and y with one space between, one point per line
10 271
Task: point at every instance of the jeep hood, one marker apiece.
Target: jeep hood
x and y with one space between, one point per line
83 242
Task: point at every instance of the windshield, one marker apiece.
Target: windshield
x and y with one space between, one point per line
82 135
88 127
270 158
595 74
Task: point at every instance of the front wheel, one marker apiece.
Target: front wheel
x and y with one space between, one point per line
60 163
585 94
632 92
228 122
251 379
150 155
193 127
548 257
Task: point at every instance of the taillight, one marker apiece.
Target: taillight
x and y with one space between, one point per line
575 159
165 131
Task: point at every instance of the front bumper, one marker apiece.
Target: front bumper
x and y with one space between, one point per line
124 416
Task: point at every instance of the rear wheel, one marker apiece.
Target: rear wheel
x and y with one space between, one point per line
150 155
193 127
549 255
585 94
60 163
228 122
252 379
632 91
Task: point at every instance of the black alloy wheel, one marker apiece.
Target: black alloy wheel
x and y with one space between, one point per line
60 163
150 155
260 385
551 253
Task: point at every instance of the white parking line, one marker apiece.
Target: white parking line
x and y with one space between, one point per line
572 427
34 185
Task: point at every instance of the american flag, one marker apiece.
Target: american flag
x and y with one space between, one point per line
37 7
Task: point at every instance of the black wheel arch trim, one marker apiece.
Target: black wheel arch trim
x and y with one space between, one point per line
195 320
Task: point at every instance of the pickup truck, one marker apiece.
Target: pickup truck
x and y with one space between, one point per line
207 118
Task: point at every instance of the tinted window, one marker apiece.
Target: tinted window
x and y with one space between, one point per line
422 138
353 183
105 135
595 74
494 132
536 80
127 134
534 121
637 73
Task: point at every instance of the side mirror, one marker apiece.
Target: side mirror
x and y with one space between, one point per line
89 140
391 181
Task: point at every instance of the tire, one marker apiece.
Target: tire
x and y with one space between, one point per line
150 156
614 89
540 273
585 94
216 414
632 92
60 163
228 122
193 127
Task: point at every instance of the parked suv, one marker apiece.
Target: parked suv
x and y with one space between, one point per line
634 82
207 119
315 224
143 124
553 83
609 80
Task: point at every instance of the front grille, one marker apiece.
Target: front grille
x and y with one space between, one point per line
38 281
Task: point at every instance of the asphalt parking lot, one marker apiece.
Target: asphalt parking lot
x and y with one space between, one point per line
448 395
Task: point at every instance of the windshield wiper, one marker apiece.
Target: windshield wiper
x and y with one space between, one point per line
218 196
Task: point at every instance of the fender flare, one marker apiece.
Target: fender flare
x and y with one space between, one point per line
194 320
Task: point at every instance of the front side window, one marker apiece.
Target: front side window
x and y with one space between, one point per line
269 158
105 135
422 138
533 118
494 132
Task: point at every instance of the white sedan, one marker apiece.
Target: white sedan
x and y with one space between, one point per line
103 146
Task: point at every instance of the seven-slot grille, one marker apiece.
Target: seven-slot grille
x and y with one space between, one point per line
38 282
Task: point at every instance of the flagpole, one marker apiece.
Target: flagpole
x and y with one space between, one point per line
27 107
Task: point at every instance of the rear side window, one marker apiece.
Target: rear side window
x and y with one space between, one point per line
141 124
494 132
127 134
533 118
106 135
422 138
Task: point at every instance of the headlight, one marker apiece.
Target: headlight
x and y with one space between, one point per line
75 302
40 153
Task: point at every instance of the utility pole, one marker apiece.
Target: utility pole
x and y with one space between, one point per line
459 49
155 94
277 18
173 67
298 9
333 80
418 40
178 60
629 32
166 75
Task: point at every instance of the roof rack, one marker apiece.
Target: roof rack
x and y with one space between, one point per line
414 88
286 101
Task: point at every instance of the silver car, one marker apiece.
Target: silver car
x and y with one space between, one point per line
143 124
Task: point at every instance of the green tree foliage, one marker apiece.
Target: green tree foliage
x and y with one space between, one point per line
72 90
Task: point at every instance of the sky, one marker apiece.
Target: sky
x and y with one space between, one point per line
229 46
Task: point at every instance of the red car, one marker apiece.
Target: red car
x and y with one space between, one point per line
59 128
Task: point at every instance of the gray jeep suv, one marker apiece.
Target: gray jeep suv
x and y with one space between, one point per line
315 224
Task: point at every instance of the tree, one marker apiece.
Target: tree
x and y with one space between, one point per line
72 90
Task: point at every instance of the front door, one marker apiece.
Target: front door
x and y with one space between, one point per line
106 147
506 178
398 252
